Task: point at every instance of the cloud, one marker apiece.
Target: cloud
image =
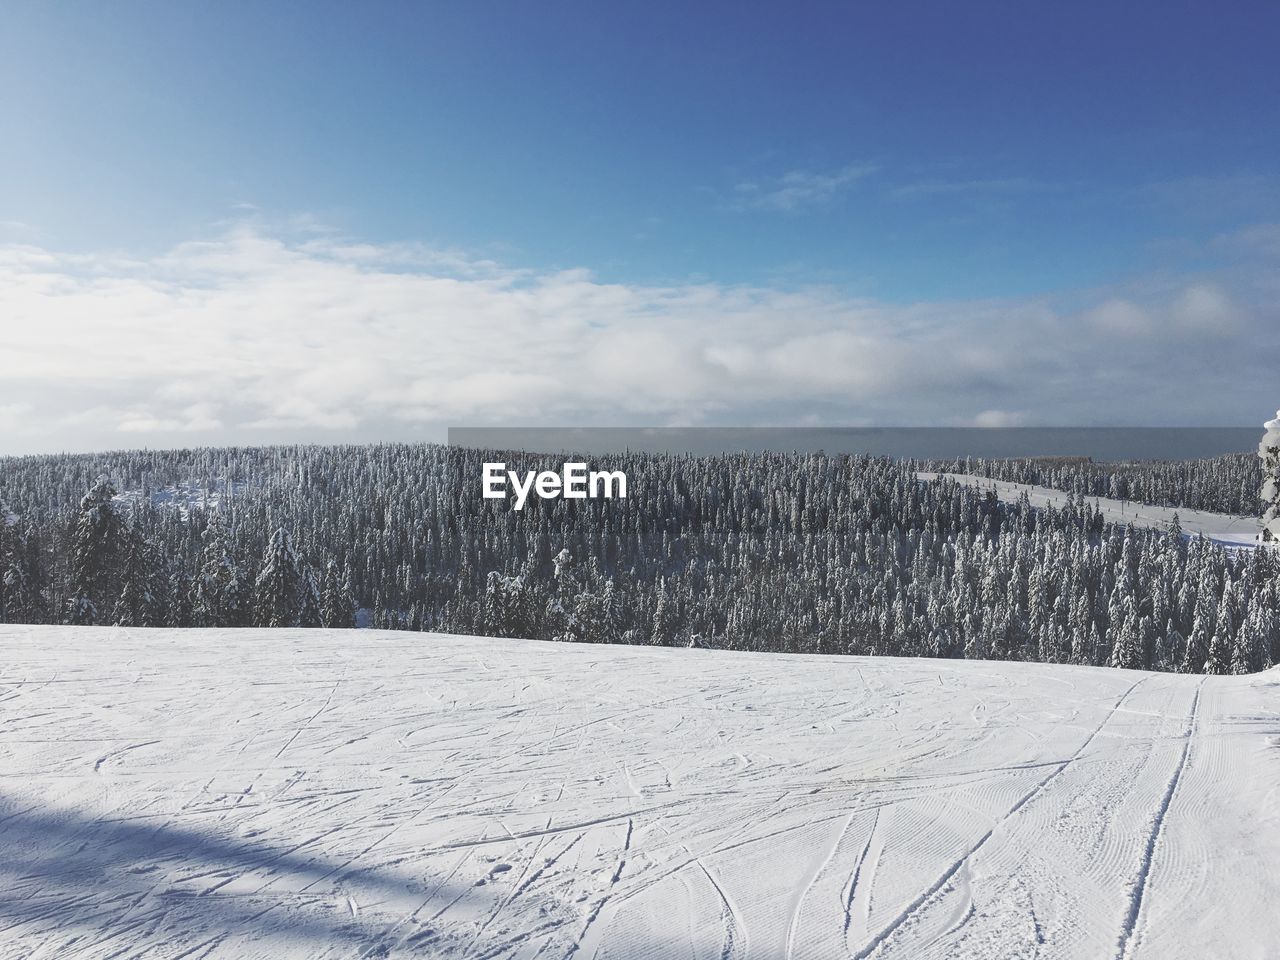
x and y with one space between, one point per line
931 189
797 189
999 418
197 418
1256 240
1205 308
252 337
1117 317
15 417
1232 196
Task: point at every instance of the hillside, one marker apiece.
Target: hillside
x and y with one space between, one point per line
1224 529
256 793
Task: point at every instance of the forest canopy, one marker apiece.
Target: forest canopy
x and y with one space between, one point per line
771 552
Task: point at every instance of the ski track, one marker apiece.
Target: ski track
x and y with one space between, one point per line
904 917
1127 941
217 795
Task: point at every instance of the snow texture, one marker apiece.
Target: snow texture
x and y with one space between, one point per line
322 794
1224 529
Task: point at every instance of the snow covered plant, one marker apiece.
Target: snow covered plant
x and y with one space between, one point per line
1269 451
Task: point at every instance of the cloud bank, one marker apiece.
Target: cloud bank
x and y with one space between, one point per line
252 337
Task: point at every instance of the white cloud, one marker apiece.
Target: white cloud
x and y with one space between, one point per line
999 418
1206 308
1257 240
1009 186
248 337
15 417
197 418
1120 318
798 189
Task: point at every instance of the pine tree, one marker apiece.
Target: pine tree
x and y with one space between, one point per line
337 602
662 633
276 600
155 601
309 599
1218 660
1172 651
134 606
18 606
8 536
1203 627
219 596
612 624
179 592
95 553
1246 651
1127 652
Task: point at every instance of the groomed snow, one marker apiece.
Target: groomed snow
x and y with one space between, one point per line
312 794
1222 528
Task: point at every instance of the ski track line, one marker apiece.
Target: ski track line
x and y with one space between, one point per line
377 945
567 828
605 899
97 767
794 922
1128 939
731 916
323 707
521 884
854 877
913 908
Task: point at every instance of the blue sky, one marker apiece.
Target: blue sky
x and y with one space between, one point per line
909 155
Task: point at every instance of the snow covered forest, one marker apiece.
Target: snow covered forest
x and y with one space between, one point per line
760 552
1227 484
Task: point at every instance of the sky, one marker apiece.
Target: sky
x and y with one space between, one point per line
267 222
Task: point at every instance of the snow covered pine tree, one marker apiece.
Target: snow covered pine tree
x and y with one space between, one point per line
277 593
1269 451
96 542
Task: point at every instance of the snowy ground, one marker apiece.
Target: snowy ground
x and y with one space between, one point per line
310 794
1223 528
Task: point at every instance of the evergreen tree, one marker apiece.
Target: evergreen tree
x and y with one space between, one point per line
18 592
1218 660
1171 648
309 599
95 554
1126 654
663 630
276 592
8 537
180 590
1203 627
137 605
337 601
220 594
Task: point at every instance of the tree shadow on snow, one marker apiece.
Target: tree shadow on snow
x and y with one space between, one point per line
90 885
76 884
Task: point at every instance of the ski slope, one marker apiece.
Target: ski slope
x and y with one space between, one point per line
319 794
1222 528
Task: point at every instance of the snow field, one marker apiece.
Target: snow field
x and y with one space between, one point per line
323 794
